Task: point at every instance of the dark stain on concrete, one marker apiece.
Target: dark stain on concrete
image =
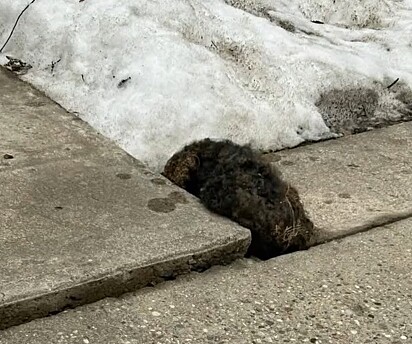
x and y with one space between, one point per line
158 181
161 205
124 176
36 103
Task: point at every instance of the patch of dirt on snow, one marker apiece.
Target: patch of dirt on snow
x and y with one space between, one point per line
358 109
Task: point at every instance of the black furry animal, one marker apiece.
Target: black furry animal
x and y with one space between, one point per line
234 181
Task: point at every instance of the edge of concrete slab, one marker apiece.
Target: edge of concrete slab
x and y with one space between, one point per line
326 294
361 226
117 283
123 278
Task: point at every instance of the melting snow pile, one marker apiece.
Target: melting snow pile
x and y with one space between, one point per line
155 75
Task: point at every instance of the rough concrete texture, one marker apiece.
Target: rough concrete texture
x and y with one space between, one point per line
81 220
357 290
355 182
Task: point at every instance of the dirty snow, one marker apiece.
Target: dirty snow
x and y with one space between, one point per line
154 75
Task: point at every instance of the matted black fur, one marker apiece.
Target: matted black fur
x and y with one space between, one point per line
234 181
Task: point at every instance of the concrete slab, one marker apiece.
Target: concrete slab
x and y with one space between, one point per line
81 220
353 183
357 290
45 132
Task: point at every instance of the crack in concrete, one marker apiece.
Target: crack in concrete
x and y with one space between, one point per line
379 221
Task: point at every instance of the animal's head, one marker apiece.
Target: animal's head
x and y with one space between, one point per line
181 167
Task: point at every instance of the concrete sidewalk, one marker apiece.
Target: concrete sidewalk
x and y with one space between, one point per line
353 183
80 219
357 290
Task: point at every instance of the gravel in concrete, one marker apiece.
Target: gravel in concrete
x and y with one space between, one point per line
355 290
81 220
355 182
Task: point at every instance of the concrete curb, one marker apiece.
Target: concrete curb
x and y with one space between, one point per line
117 283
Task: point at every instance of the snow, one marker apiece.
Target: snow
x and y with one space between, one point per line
250 71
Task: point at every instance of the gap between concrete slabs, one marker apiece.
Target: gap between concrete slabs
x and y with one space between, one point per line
356 290
81 220
353 183
115 284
